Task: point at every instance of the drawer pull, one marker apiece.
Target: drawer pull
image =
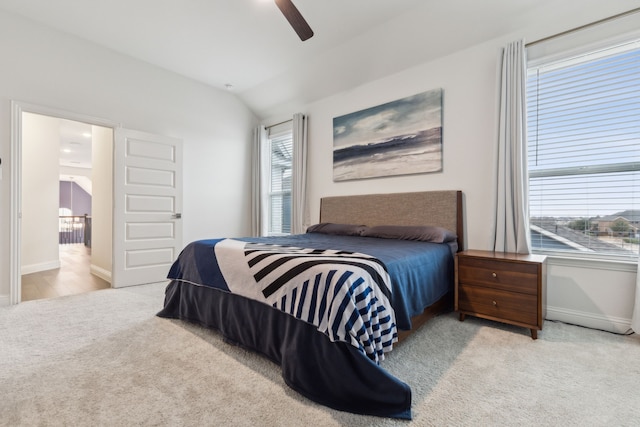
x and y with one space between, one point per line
494 274
495 304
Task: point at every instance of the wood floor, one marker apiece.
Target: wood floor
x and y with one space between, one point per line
73 276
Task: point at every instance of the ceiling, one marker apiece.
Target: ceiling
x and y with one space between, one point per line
249 45
75 153
75 144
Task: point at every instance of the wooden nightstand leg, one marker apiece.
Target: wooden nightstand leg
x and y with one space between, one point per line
462 317
534 334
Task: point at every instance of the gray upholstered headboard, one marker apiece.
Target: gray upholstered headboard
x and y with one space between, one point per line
440 208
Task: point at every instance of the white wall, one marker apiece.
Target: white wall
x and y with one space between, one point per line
48 68
596 295
40 193
468 134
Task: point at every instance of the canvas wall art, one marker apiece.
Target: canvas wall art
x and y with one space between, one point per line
397 138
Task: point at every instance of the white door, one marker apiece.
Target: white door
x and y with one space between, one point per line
147 203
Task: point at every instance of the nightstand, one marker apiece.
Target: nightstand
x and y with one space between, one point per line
500 286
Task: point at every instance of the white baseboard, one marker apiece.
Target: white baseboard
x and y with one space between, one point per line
100 272
589 320
34 268
4 300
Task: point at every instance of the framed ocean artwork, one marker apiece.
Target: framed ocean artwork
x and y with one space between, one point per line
396 138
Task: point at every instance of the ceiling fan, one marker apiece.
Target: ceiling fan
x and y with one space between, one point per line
293 15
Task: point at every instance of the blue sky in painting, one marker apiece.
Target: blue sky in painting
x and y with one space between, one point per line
404 116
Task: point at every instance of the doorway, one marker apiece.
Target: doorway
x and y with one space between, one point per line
52 146
143 196
60 211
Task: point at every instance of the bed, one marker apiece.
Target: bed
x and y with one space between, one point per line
327 305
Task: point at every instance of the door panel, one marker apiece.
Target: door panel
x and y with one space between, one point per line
145 176
146 203
145 230
147 207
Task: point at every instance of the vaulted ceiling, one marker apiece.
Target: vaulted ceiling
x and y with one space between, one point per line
250 47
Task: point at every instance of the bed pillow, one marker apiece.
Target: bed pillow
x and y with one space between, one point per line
423 233
338 229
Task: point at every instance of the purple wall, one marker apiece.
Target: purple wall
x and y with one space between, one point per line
72 194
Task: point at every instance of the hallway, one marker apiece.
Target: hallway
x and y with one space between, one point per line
73 276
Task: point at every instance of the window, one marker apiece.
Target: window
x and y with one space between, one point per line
583 119
279 179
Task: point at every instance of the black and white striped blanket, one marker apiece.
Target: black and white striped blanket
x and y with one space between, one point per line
344 294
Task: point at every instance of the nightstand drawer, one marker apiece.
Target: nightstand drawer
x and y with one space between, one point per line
514 276
498 304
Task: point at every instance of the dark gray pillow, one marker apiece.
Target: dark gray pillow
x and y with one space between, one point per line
337 229
423 233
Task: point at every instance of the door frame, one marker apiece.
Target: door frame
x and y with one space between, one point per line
15 238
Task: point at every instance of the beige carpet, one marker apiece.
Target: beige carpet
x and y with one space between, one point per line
103 358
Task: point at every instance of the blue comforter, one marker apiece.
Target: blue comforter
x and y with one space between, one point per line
335 374
421 272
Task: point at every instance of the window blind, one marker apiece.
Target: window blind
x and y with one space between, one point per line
583 121
280 180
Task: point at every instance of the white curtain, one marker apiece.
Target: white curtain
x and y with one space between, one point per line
299 211
635 319
511 232
257 205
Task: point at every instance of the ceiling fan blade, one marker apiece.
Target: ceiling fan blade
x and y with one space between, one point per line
293 15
